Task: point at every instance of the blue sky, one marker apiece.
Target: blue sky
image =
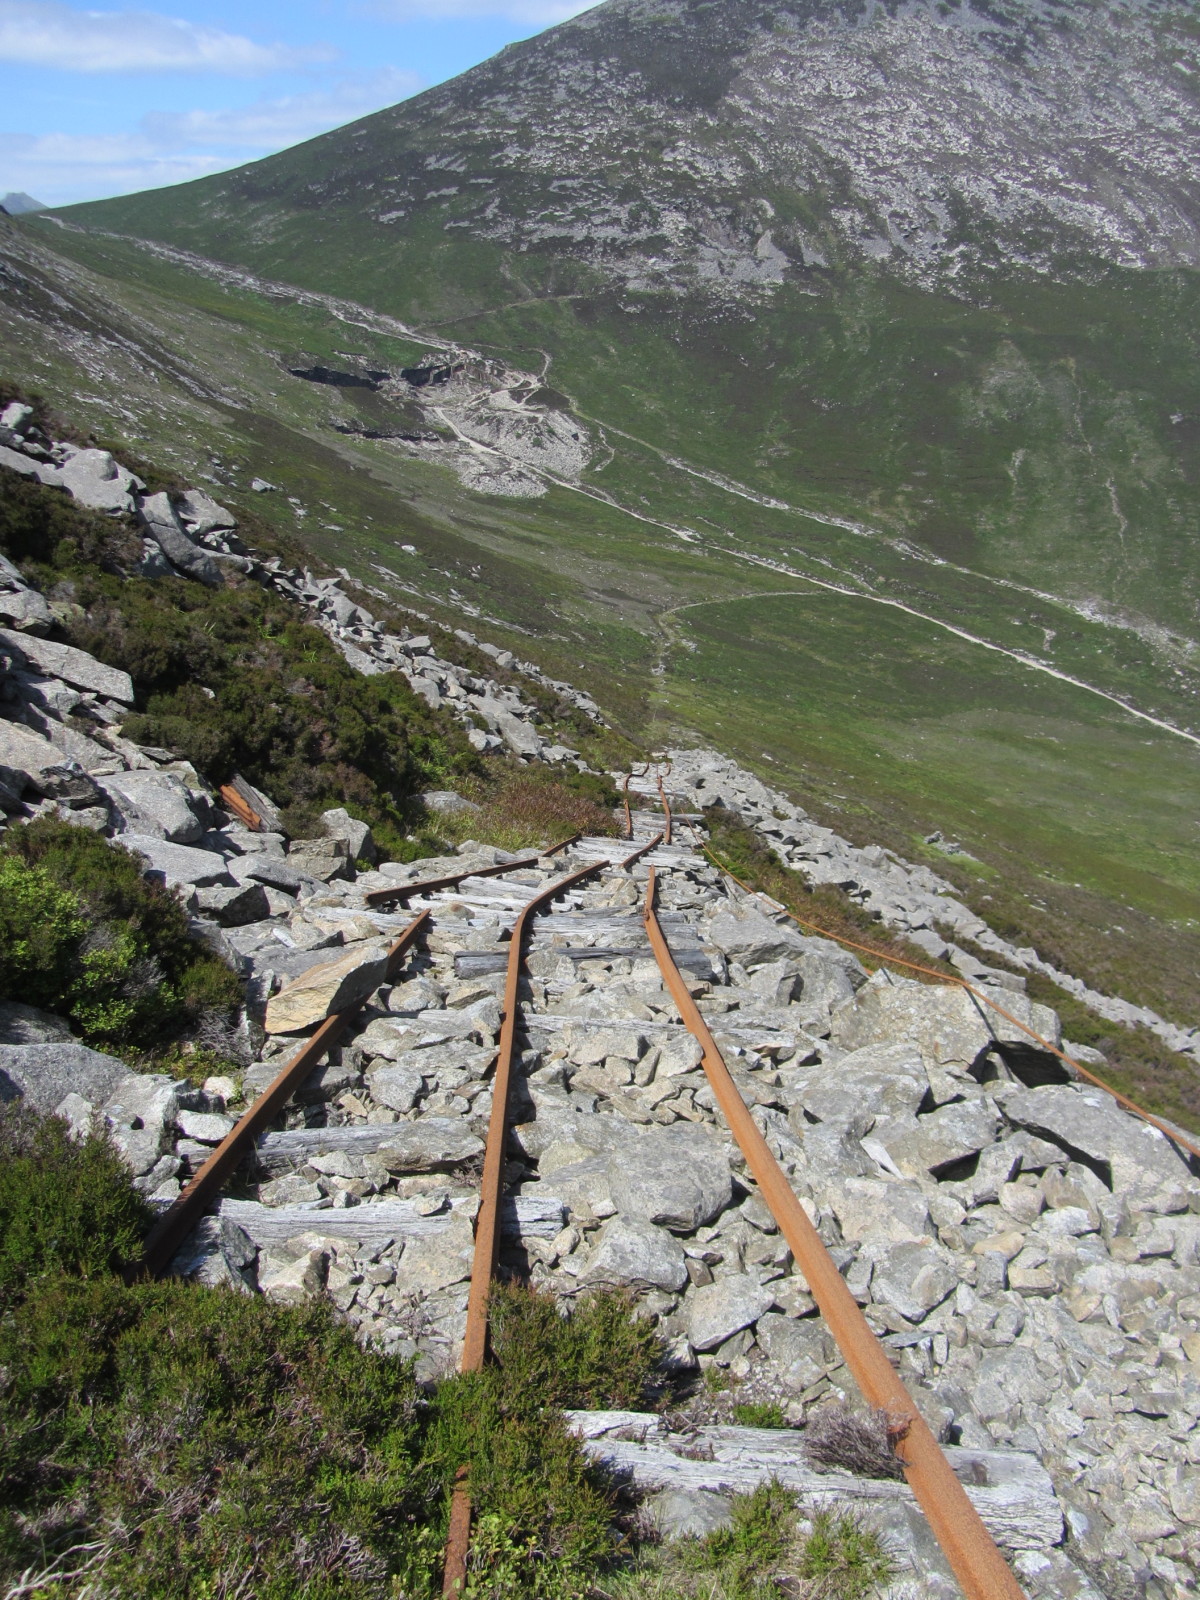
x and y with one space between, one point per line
97 102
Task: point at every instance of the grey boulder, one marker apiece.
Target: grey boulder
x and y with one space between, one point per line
45 1074
21 1024
147 801
688 1513
339 825
162 523
949 1026
677 1177
97 481
719 1310
201 514
911 1277
633 1251
177 864
1089 1125
935 1142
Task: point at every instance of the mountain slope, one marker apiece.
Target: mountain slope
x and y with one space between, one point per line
684 144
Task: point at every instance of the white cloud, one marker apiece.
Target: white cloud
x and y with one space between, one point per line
45 33
274 124
173 147
541 13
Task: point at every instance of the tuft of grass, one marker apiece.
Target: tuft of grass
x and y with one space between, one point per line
760 1555
864 1444
759 1414
843 1559
595 1355
747 1556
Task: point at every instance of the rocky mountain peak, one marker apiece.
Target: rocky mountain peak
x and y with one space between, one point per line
683 146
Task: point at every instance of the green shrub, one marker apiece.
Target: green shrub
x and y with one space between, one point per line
64 1206
759 1414
84 934
597 1355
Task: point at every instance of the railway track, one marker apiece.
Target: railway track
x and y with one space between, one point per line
624 913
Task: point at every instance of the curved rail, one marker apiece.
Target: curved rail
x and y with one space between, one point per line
666 805
487 1222
173 1227
969 1548
1165 1128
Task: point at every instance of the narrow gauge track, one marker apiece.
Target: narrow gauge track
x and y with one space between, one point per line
182 1216
970 1549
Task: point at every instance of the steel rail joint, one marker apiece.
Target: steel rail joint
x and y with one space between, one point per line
970 1549
182 1216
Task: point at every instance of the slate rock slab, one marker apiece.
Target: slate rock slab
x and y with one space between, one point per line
73 666
45 1074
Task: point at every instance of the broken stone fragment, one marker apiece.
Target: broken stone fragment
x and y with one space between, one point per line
678 1177
339 825
631 1250
719 1310
218 1254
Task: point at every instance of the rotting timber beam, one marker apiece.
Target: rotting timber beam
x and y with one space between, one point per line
487 1222
969 1547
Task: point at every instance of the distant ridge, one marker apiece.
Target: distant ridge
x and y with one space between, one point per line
16 204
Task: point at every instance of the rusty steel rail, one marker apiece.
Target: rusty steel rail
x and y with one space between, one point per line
972 1553
173 1227
666 805
406 891
487 1222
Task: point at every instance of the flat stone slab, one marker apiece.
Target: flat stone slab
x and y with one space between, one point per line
177 863
73 666
45 1074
